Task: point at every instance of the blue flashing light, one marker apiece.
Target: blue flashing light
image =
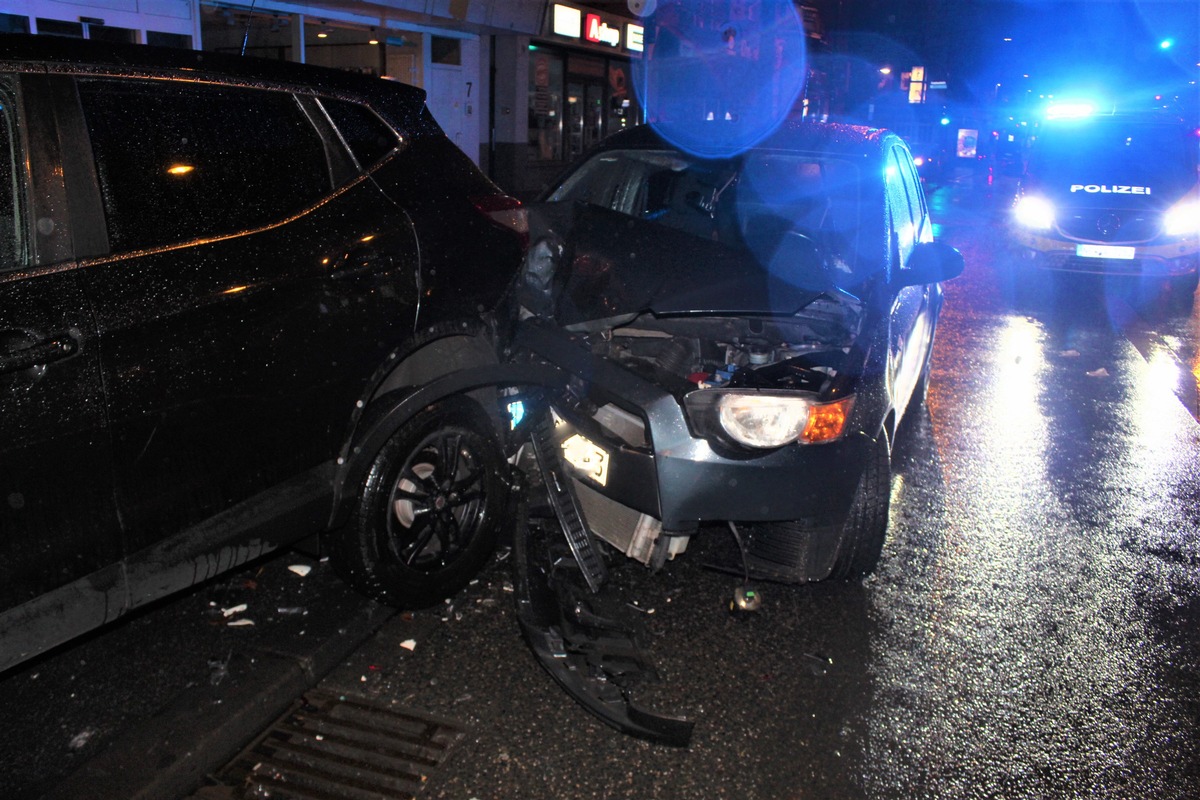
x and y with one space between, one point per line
1166 44
945 120
1071 110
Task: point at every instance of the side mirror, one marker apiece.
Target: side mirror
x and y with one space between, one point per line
930 262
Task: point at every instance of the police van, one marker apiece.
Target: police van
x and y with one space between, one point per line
1112 195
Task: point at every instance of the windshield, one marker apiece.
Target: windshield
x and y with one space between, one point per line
1157 158
752 202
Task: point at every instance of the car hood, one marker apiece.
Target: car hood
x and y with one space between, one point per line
607 264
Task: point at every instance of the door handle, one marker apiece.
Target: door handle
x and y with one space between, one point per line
58 346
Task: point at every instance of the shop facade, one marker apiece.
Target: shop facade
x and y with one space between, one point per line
522 86
560 92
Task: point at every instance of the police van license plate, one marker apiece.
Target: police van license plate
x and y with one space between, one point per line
1105 251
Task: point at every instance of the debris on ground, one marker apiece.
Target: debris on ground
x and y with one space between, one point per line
80 740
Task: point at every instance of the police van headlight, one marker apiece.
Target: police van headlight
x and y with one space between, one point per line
1036 213
1183 219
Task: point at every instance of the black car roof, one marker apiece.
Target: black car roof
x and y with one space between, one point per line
63 54
830 138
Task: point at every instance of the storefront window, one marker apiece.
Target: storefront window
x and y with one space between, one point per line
111 33
57 27
225 30
352 48
445 50
14 23
623 109
405 58
545 105
161 39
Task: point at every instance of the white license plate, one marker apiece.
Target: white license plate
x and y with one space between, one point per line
1105 251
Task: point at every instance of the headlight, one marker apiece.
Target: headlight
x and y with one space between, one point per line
1183 219
763 420
1034 212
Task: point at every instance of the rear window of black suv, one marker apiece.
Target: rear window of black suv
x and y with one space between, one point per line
214 160
367 136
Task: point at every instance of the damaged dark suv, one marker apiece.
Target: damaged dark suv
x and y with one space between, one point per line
238 300
744 335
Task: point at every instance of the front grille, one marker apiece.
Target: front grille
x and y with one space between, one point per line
792 552
1109 225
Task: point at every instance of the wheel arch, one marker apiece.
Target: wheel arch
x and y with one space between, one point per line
459 358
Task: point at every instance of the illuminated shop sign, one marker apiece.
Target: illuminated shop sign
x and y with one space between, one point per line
567 21
598 31
595 29
633 37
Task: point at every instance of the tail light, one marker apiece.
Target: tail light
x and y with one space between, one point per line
505 211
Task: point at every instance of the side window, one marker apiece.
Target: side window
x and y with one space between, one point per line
368 137
904 200
181 161
912 188
12 246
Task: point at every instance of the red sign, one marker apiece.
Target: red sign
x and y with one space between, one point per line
599 31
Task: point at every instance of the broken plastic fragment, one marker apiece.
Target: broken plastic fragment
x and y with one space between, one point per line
240 623
409 644
1069 353
300 569
229 612
1098 373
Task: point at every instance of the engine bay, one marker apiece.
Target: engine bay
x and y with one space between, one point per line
682 354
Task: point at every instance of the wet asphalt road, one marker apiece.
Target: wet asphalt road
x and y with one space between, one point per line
1033 630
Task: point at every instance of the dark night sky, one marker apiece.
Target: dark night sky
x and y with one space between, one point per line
1060 44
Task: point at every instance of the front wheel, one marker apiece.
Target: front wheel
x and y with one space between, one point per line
430 509
865 529
1183 291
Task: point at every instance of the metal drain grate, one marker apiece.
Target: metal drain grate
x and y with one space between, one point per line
335 747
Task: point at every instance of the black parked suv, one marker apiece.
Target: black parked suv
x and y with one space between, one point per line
221 282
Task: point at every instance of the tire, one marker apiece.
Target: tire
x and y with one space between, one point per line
1183 292
865 529
430 510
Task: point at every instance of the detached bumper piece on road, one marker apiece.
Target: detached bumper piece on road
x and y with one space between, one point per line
593 655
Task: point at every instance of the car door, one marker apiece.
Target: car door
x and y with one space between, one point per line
60 543
249 288
911 333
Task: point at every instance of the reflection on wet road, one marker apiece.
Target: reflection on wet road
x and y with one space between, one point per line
1037 618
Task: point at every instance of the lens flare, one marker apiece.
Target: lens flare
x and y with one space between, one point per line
715 85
